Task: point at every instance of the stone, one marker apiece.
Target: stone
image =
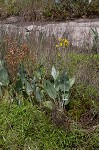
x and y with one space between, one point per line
12 20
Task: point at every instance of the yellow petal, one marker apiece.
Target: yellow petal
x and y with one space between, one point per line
61 44
57 46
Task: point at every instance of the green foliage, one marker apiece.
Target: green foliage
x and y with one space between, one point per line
38 85
62 85
4 79
54 73
31 85
95 41
49 87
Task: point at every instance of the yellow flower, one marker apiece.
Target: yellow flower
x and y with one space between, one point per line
61 44
66 42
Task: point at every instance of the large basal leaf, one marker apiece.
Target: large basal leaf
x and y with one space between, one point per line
57 84
65 82
34 83
65 86
64 77
29 89
54 73
39 95
4 79
18 85
49 87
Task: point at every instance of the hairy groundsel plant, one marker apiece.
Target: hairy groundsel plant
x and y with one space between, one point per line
38 88
36 85
62 86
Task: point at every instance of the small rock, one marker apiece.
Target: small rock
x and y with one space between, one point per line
11 20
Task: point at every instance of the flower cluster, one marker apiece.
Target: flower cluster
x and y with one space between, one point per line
62 43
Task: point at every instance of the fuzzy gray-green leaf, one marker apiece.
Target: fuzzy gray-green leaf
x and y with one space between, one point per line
4 79
49 87
29 89
54 73
39 95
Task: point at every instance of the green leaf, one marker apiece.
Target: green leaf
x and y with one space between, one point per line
39 95
65 86
64 77
29 89
18 86
4 79
49 88
48 104
0 91
65 82
34 83
57 83
54 73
